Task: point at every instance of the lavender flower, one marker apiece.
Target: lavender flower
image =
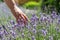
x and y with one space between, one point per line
13 33
43 18
58 21
12 22
53 15
50 37
44 32
0 27
1 34
5 32
57 29
16 24
29 27
34 19
35 25
34 30
33 38
13 26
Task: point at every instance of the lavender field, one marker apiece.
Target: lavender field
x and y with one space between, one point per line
42 26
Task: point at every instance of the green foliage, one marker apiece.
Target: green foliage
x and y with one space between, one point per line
47 3
1 0
51 3
31 4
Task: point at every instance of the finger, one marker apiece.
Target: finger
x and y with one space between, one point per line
19 18
24 20
25 17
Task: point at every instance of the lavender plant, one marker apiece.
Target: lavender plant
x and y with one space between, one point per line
43 27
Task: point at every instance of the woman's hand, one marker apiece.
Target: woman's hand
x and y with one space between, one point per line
21 17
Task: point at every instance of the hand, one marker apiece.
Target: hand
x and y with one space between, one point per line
21 17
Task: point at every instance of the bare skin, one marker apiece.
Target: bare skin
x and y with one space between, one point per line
18 14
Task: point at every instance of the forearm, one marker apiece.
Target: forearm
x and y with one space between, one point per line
15 10
13 7
10 4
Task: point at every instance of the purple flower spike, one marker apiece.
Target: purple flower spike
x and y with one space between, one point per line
44 32
57 29
34 26
34 19
33 38
53 15
1 34
12 22
34 30
0 27
5 32
13 33
50 37
29 27
58 21
33 15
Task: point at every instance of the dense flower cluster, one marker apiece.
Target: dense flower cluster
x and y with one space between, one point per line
44 27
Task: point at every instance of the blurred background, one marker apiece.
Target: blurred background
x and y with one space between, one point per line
44 5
